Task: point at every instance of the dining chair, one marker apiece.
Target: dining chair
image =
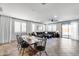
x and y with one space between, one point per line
24 45
41 47
18 41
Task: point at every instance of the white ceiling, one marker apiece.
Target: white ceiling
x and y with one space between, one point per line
42 13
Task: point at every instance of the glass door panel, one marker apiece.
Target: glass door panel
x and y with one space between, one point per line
70 30
74 30
65 30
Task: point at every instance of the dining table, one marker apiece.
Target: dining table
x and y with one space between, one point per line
31 39
35 42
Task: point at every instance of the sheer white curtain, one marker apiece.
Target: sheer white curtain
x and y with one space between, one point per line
36 27
74 30
4 29
23 27
40 27
70 30
33 27
65 30
17 26
44 28
54 27
51 27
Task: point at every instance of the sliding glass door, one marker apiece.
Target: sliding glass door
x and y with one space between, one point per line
65 30
70 30
74 30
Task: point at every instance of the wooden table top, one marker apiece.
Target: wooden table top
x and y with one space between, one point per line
31 39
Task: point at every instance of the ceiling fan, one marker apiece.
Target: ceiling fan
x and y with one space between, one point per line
53 19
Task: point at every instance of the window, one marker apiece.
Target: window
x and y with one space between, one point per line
53 27
37 27
17 26
40 27
43 27
49 27
23 27
33 27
